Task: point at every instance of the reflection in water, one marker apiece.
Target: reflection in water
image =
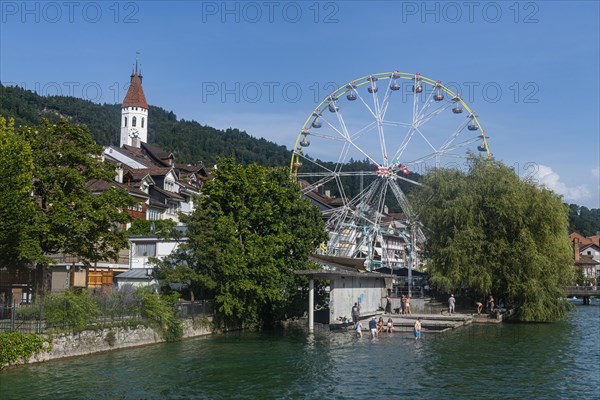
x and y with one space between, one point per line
480 361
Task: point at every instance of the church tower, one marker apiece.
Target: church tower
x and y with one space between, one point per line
134 112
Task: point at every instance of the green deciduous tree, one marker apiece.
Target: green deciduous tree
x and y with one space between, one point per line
492 233
18 214
250 232
162 228
46 203
73 219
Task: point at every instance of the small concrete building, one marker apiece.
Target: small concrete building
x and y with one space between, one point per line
349 283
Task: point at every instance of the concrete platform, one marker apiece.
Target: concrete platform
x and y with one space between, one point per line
430 323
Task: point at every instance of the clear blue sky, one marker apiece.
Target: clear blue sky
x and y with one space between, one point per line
530 69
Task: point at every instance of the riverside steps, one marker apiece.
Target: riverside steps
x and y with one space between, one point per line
404 323
434 318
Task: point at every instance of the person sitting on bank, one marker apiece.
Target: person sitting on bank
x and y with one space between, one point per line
390 325
380 326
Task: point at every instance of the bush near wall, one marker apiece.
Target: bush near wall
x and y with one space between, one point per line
16 346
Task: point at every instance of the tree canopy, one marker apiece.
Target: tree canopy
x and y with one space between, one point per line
51 207
18 244
489 232
251 231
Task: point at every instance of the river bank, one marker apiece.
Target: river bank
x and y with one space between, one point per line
66 345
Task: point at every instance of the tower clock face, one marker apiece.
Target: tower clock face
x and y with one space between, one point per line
134 133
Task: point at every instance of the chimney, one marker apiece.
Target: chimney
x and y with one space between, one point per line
576 249
119 170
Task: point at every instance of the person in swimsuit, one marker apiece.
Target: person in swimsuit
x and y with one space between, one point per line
390 325
380 326
407 305
479 307
417 330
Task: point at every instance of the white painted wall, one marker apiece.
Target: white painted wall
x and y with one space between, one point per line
345 291
163 249
139 113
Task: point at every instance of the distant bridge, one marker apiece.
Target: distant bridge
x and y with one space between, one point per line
585 292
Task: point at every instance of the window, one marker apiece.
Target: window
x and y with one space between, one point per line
145 249
142 122
169 185
136 207
125 122
153 215
133 121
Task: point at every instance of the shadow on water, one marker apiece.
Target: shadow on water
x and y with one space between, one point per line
509 361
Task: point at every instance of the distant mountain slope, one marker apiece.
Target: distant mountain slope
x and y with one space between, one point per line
189 140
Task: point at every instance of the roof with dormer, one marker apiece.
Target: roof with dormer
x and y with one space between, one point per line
135 94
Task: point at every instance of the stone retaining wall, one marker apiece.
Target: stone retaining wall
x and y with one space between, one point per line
108 339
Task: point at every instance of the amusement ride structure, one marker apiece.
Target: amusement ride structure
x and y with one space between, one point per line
365 144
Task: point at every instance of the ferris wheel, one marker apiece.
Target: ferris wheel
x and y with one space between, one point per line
365 144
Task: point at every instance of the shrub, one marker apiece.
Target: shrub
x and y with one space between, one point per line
73 309
16 345
111 338
159 311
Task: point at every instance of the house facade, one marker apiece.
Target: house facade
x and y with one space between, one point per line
586 254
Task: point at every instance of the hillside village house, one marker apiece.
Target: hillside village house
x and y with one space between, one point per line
586 254
161 189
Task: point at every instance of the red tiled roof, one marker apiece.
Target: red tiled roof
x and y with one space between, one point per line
582 239
135 94
595 240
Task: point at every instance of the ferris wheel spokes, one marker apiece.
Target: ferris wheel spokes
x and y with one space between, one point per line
381 135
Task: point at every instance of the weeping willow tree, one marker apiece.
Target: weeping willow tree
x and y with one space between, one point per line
490 232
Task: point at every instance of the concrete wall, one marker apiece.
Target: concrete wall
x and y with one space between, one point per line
347 290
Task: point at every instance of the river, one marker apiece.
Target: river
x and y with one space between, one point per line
507 361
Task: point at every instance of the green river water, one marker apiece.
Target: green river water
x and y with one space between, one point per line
507 361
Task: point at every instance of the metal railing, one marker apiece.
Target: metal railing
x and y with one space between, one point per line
29 318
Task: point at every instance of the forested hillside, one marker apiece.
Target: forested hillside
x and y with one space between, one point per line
584 220
188 140
191 141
